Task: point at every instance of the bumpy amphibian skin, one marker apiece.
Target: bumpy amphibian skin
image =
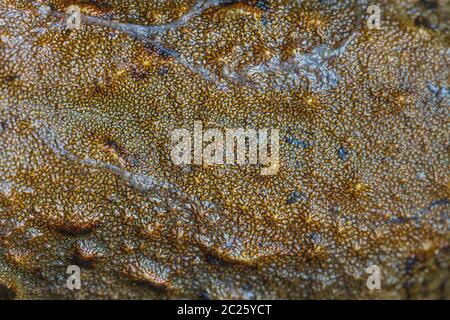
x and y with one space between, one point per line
86 177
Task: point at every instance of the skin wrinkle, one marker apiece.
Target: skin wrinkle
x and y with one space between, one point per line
317 60
86 118
147 33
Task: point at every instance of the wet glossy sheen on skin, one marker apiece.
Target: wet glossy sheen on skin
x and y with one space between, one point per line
86 176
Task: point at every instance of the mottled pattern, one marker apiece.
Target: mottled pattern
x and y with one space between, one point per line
85 170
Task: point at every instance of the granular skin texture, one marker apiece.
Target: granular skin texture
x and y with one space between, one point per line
86 178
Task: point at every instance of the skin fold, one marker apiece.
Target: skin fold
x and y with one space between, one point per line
86 178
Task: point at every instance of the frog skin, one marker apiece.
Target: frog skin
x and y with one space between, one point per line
86 178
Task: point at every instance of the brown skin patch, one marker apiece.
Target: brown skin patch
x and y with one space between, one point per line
85 140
